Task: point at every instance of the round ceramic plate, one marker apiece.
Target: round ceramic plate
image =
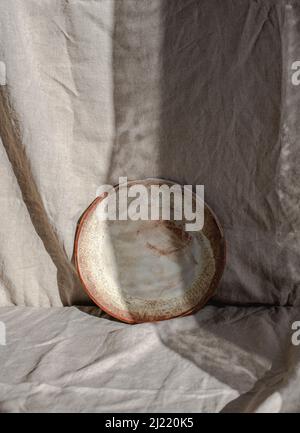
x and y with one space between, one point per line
139 271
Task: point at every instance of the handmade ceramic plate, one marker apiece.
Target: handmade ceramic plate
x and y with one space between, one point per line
139 271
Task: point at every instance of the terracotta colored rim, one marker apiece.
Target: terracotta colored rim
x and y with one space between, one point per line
220 261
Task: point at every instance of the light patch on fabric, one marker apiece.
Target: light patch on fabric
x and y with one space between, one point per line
2 73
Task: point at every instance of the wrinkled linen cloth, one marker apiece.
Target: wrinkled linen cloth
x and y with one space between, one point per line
221 359
199 92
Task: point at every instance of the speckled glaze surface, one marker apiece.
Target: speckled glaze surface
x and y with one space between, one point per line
140 271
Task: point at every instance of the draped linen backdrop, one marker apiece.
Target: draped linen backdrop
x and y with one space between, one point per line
196 91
